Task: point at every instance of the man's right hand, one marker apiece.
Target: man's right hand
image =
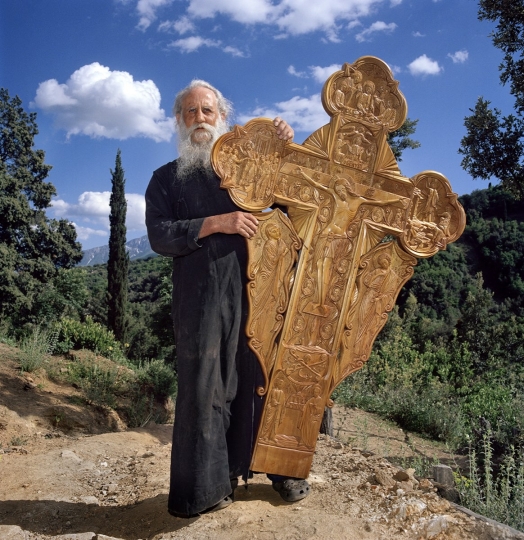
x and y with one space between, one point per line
242 223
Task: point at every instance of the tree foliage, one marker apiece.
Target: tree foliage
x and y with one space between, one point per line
400 140
493 146
118 262
33 248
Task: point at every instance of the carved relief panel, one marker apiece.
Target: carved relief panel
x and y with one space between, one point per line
322 279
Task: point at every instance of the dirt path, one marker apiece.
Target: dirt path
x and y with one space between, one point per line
69 484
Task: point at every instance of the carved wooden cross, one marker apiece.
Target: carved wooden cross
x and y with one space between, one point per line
324 276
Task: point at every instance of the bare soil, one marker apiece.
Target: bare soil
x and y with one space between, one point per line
71 471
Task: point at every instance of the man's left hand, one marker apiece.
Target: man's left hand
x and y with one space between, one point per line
284 130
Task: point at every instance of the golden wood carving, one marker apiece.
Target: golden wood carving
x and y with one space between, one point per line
324 277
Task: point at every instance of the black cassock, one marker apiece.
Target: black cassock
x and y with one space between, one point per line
217 410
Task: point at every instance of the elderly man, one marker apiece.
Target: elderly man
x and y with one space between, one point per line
192 220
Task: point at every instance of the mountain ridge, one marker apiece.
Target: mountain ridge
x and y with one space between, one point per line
138 248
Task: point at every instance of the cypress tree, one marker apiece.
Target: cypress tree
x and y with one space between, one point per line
118 262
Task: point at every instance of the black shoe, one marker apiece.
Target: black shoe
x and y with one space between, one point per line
292 489
226 501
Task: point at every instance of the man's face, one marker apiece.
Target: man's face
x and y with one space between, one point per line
199 107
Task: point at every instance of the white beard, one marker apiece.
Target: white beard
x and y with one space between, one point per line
196 154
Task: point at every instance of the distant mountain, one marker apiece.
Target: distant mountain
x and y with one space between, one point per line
139 248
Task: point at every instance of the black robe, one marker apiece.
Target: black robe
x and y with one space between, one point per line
217 409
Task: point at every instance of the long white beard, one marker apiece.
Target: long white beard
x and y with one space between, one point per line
195 155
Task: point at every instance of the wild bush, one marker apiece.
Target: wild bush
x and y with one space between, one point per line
90 335
35 347
497 496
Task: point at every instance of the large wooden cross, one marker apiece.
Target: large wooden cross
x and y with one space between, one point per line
324 276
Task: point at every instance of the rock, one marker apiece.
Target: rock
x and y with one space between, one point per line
401 475
449 493
443 475
425 485
436 526
412 507
406 486
89 499
11 532
438 505
383 478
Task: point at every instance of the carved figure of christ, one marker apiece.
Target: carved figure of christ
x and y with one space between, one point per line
334 237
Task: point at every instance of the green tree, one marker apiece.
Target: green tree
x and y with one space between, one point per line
32 247
400 140
118 262
494 144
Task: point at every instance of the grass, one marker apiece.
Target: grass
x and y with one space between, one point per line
497 496
35 348
18 441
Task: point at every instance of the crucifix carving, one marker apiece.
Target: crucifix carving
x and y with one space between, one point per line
324 274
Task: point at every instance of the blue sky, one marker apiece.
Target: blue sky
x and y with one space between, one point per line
102 74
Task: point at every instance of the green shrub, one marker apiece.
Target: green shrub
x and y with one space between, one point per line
158 379
499 497
100 385
88 335
35 347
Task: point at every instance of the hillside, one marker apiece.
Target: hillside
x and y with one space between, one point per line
138 248
71 471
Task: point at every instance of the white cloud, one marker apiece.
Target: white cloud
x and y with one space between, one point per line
418 34
92 208
291 17
320 74
459 57
193 43
85 233
378 26
395 70
233 51
292 71
303 114
248 12
182 26
423 65
147 11
98 102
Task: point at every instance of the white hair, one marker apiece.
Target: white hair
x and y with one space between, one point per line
225 106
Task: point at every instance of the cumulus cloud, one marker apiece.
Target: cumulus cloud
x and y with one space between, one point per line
418 34
423 65
98 102
92 210
85 233
459 57
147 11
320 74
291 17
304 114
378 26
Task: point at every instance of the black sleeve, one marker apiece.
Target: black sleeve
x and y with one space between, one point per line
168 235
